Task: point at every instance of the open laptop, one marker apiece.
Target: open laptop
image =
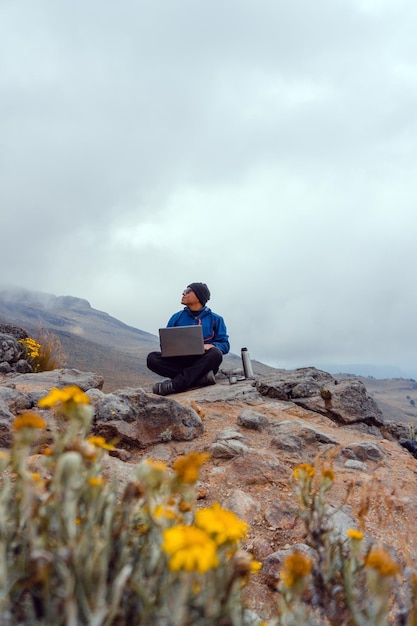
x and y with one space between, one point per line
181 340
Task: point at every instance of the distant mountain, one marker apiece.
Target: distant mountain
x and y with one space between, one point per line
364 369
92 340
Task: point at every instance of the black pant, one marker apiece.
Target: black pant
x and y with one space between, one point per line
185 371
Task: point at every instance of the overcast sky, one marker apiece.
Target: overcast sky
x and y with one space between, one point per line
266 148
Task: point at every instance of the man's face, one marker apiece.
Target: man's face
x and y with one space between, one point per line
189 298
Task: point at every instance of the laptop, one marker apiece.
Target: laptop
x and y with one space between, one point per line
181 340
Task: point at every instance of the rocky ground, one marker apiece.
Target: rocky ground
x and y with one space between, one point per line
257 432
251 472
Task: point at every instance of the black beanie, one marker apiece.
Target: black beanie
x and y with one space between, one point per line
201 291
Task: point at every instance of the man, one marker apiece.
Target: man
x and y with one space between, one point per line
184 372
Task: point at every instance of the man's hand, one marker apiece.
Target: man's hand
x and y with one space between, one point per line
207 346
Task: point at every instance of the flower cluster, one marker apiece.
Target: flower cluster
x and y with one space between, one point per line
43 353
77 550
348 582
31 348
194 547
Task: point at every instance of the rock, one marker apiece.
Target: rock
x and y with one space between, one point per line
300 383
351 403
227 449
45 381
410 445
228 434
13 401
341 521
243 505
280 516
10 349
254 468
122 455
274 562
137 419
396 430
294 435
261 548
23 367
115 469
362 451
252 420
356 465
346 402
227 445
15 331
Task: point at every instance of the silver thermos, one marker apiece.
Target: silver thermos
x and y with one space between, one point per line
247 365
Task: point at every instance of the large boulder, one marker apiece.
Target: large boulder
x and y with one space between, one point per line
138 419
40 383
304 382
11 352
12 402
10 349
22 392
15 331
345 403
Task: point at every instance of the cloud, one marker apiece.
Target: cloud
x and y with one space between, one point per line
267 149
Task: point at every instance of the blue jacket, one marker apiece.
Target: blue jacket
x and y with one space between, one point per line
214 328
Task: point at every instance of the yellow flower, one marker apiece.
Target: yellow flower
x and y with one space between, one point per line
296 566
354 534
96 481
222 525
4 459
28 420
185 507
100 442
189 549
161 511
255 566
187 467
328 473
152 474
380 560
31 347
304 470
244 565
158 466
70 394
